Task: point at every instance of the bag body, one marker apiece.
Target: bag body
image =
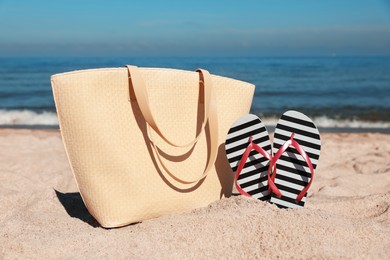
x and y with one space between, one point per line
124 167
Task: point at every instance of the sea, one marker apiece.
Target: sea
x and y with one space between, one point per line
338 93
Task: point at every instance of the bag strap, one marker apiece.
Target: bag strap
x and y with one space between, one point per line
210 116
141 95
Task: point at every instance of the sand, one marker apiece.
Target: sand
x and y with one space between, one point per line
346 215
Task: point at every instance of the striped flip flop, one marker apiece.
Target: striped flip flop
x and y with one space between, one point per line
248 150
296 150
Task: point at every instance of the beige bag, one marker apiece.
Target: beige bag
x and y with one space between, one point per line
145 142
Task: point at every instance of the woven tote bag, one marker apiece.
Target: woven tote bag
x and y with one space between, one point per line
146 142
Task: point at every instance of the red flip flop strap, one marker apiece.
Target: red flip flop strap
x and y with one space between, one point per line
297 146
307 159
251 146
240 167
271 184
261 151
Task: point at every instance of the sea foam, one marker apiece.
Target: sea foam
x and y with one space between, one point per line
326 122
27 117
32 118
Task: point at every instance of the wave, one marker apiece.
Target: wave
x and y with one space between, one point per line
27 117
348 123
326 122
46 118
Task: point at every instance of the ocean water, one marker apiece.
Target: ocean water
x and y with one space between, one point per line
337 92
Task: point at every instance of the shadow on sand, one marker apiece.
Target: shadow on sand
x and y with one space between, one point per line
75 207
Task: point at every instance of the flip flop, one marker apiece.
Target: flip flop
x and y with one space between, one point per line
296 150
248 150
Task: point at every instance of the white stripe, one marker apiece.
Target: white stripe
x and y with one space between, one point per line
305 148
298 137
260 194
298 115
245 140
249 167
252 167
284 203
243 131
298 157
251 178
237 143
254 186
295 166
234 164
289 184
291 175
290 195
298 126
246 119
241 152
255 167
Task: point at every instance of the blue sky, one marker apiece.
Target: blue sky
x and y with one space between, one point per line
194 28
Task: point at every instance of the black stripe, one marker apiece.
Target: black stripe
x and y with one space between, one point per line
260 170
244 135
253 182
258 190
290 180
251 163
298 131
295 161
287 199
245 145
281 206
264 198
293 150
301 142
244 125
298 121
238 157
288 189
292 170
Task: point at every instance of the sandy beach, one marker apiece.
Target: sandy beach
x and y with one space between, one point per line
346 215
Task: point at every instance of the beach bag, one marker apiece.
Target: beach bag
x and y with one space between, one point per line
146 142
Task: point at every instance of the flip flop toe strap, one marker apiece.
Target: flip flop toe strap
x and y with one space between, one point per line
251 146
282 149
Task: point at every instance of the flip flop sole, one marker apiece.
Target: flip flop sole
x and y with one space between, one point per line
292 173
253 177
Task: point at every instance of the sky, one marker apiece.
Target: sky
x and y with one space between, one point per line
194 28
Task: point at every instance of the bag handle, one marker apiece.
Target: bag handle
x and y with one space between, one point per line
141 96
210 116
